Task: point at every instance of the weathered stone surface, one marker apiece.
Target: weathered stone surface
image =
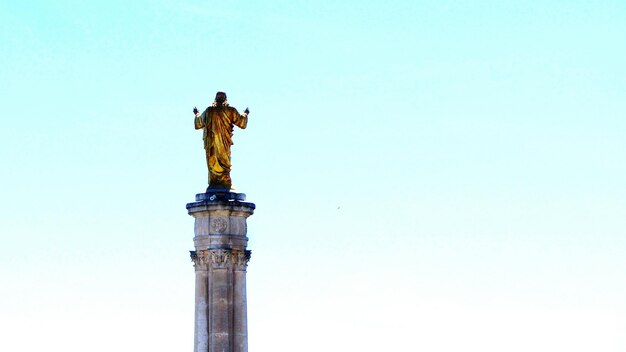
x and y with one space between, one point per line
220 260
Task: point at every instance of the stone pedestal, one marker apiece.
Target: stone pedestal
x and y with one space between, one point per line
220 261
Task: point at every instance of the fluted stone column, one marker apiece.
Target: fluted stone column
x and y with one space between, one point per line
220 261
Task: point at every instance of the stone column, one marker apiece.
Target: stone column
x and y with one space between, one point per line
220 260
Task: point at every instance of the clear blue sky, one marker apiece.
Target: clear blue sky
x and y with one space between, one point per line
429 175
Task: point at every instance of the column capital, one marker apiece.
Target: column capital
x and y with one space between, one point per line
241 259
220 259
213 258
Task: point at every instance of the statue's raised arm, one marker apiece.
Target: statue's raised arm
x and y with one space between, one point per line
217 121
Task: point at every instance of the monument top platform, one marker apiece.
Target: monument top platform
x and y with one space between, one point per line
218 197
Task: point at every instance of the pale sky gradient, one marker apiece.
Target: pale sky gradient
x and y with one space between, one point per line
429 176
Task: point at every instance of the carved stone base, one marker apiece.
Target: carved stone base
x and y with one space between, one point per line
220 260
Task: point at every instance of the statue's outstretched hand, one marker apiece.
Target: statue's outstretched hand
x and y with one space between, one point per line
195 110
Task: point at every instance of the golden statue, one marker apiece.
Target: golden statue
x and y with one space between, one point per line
218 121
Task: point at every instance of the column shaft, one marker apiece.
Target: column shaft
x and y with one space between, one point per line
201 320
240 328
219 312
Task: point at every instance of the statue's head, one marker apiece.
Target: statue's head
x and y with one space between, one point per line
220 98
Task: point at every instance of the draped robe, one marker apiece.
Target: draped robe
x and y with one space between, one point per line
218 122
